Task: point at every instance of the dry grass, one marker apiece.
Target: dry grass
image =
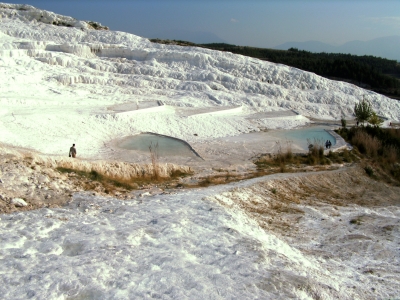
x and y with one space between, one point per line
284 156
390 154
98 182
110 183
112 169
154 155
225 178
285 160
316 152
366 144
379 149
394 133
108 177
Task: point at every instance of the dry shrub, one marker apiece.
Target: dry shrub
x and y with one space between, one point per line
207 181
333 156
346 156
394 133
282 168
395 171
390 154
179 173
120 169
289 153
110 183
366 144
316 152
283 156
369 170
218 179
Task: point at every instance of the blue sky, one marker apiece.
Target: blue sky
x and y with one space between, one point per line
259 23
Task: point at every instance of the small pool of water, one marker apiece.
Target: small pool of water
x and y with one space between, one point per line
303 136
167 146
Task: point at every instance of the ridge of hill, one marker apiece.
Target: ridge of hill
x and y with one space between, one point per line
374 73
387 47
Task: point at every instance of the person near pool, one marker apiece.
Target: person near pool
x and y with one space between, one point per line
72 151
326 144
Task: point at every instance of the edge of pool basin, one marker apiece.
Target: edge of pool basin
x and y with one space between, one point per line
340 142
171 137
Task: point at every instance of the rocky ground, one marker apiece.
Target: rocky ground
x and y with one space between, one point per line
27 185
30 180
35 185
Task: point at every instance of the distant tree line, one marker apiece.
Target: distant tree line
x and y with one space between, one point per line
378 74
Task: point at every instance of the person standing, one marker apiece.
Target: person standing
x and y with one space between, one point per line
72 151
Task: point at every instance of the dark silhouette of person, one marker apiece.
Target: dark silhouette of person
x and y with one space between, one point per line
72 151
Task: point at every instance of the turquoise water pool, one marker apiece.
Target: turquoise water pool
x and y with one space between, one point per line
304 136
167 146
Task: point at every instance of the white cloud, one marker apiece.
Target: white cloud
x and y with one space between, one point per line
234 20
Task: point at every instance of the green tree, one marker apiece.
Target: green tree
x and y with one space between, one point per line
375 120
363 111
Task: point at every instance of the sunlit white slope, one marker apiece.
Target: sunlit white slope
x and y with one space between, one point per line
70 75
184 246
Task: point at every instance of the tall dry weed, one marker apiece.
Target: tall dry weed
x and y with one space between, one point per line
390 154
154 156
289 151
315 151
366 144
284 155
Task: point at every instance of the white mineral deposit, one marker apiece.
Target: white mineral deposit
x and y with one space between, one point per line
61 85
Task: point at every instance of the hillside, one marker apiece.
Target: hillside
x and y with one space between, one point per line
374 73
70 232
72 74
305 236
